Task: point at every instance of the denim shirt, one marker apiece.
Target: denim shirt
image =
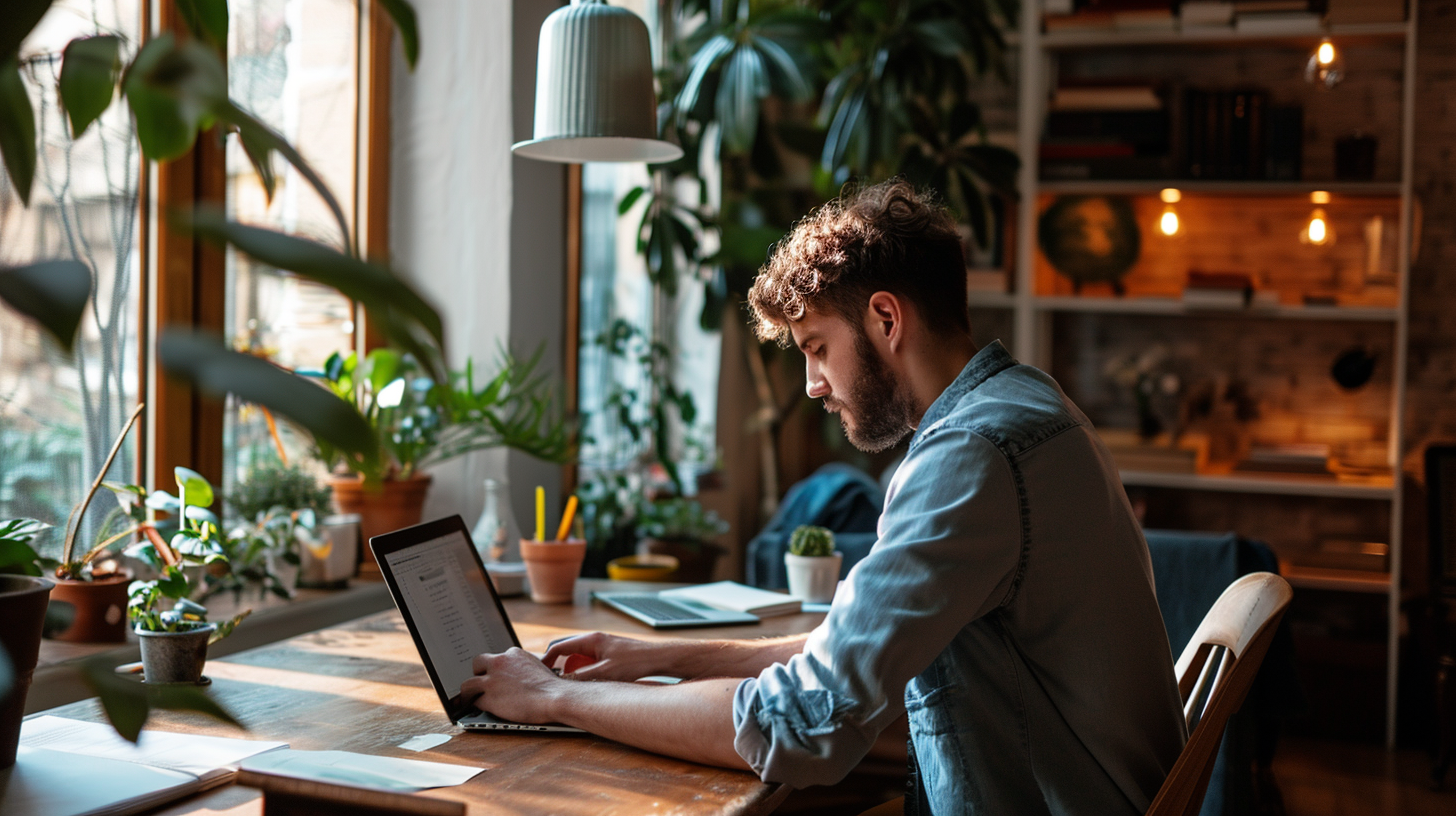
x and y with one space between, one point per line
1008 606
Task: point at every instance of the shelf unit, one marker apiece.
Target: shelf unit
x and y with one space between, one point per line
1032 314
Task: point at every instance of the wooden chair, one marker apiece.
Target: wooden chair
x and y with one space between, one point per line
1215 671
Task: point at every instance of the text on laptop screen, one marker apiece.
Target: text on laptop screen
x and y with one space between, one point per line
456 617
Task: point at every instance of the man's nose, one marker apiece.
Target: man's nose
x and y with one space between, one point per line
816 386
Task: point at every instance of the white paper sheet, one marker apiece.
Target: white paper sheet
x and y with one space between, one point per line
425 742
347 768
197 755
51 783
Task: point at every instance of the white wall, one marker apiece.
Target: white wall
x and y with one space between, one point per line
481 232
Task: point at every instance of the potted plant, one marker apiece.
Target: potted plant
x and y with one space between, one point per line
284 527
175 636
812 564
682 528
420 422
89 596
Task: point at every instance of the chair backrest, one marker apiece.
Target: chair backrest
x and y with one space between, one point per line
1214 674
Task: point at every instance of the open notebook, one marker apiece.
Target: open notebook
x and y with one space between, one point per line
74 768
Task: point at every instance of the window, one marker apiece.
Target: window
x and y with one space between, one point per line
59 416
295 64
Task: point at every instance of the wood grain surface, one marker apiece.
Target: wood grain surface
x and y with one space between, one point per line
361 687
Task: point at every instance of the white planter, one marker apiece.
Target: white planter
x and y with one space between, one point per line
813 578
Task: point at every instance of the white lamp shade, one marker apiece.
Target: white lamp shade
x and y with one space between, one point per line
594 97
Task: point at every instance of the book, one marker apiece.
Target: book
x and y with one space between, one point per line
1278 22
735 597
1195 14
1359 12
315 796
1162 454
1106 98
73 768
1152 19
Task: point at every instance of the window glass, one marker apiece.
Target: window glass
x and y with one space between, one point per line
615 287
59 415
294 64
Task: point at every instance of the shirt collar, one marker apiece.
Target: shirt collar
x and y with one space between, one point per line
988 362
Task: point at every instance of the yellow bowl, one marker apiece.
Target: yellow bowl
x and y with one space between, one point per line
642 568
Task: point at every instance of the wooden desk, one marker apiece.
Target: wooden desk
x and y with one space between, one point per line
361 687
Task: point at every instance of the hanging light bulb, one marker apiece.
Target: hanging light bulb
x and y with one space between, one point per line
1318 231
1326 65
1168 222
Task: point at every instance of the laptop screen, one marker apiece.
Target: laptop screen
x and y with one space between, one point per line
454 614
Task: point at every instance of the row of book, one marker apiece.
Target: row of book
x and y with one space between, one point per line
1248 16
1140 132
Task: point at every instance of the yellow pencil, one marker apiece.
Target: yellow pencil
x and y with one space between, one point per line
540 513
565 529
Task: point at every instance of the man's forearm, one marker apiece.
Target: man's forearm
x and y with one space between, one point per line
692 721
734 658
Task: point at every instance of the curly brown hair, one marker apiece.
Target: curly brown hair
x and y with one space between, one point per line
887 237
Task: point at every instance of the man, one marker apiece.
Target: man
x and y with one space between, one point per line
1008 604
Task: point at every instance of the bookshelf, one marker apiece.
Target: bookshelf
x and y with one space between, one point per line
1041 309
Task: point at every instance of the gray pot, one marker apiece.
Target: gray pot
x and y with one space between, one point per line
175 657
22 611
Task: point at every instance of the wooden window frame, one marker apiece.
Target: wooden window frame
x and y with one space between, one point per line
184 281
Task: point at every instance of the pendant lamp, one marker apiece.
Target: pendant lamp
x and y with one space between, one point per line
594 97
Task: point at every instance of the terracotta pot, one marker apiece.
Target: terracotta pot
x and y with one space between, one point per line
100 609
398 503
174 657
22 608
553 567
696 559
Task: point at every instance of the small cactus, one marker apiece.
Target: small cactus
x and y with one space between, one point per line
811 541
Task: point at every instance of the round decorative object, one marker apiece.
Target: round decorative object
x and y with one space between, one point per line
1090 239
1353 369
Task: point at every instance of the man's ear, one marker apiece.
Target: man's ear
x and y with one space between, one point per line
886 319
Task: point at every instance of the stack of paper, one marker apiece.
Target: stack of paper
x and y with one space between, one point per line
736 597
70 768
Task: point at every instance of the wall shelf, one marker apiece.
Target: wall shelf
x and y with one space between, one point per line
1335 580
1174 306
1218 36
1269 484
1220 187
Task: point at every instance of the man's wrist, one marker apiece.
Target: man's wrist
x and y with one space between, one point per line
560 699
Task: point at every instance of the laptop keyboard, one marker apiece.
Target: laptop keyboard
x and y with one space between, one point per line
657 609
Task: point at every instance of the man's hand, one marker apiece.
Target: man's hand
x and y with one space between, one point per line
514 686
610 657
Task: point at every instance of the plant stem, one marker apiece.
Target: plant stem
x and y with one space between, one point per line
80 509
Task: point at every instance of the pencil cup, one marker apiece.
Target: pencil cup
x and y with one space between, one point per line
552 567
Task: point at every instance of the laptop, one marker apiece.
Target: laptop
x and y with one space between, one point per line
453 613
662 612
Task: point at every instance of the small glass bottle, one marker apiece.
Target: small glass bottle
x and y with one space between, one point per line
496 535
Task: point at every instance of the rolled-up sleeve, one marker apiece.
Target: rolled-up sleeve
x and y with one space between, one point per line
948 551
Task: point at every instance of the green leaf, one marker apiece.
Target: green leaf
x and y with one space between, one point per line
207 20
629 199
17 128
20 17
383 368
403 15
17 555
399 309
173 582
226 627
260 154
22 529
258 139
214 368
174 89
196 489
89 73
52 293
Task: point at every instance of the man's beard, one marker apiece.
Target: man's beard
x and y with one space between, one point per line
883 411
